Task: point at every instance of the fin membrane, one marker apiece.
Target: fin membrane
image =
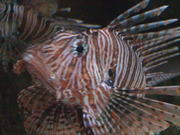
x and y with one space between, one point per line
129 112
155 79
138 18
148 26
140 6
46 116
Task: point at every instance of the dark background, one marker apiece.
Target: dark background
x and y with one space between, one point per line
91 11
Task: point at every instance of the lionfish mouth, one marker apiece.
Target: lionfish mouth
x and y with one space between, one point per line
40 71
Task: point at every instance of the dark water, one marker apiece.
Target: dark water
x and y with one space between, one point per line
91 11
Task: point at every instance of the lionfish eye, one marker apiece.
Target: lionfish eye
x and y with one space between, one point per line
79 47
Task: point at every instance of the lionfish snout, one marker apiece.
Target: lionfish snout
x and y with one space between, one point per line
41 74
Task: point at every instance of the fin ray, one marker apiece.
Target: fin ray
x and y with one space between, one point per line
154 80
131 11
148 26
141 17
152 35
46 115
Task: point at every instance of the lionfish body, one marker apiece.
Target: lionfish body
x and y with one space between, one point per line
95 82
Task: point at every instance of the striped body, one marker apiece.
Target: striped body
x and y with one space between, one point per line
68 73
106 73
114 53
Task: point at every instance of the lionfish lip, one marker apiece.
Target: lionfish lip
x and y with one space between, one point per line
38 69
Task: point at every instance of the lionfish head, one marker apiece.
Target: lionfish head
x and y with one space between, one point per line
65 64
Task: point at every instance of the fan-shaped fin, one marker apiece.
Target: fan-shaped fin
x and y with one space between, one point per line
34 98
163 90
156 41
147 45
72 24
158 78
129 112
152 35
159 54
160 109
131 11
155 65
46 116
170 111
162 59
160 90
57 119
148 26
152 49
141 17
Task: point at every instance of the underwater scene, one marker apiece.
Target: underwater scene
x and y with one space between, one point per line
89 67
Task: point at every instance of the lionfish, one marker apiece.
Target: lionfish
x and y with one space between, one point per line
97 82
